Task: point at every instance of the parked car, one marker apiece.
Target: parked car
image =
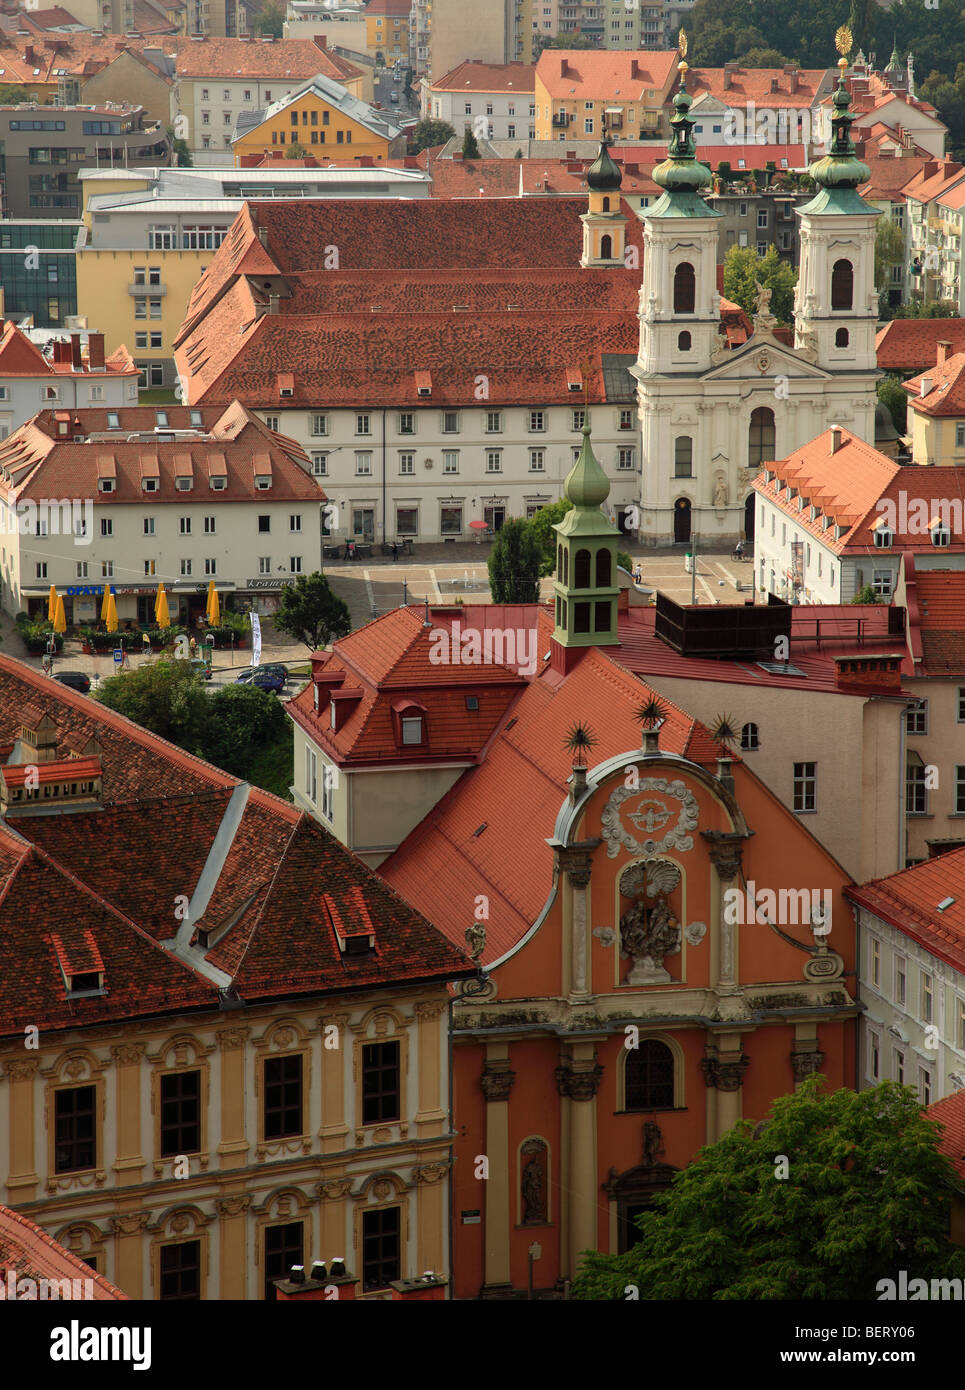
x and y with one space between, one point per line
263 679
274 666
75 679
394 98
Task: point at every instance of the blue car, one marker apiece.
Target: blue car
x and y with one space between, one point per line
265 678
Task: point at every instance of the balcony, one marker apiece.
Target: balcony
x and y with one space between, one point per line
147 291
561 120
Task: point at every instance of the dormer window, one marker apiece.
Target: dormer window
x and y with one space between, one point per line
263 482
412 729
113 420
85 982
184 484
219 484
106 484
409 723
149 484
940 534
884 536
161 419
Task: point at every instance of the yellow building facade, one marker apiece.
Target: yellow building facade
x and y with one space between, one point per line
319 125
387 33
238 1207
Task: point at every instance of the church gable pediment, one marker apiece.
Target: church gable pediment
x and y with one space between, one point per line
761 358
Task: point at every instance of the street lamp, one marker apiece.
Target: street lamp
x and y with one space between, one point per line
209 641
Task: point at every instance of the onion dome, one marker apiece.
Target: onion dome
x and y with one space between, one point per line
586 483
603 175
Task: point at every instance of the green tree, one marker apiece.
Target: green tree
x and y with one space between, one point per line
890 391
565 41
743 269
242 720
180 150
916 308
763 58
866 595
271 21
866 1194
541 525
166 696
514 564
295 151
427 134
889 250
310 611
470 149
12 94
862 23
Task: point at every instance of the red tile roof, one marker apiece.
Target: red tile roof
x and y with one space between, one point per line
397 8
106 883
889 176
494 287
476 76
940 596
36 463
936 178
296 59
909 901
910 345
27 1252
950 1114
605 74
19 357
509 858
946 395
763 86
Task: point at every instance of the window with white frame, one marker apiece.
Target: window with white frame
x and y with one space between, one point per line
927 997
320 464
363 423
407 463
494 461
537 460
295 564
450 461
537 421
319 424
876 962
625 459
311 774
494 422
900 986
916 718
363 465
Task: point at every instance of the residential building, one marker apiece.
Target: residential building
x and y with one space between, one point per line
344 26
762 106
912 977
38 269
886 101
936 411
494 31
138 497
763 218
935 229
45 148
496 102
891 172
320 113
222 1090
387 31
64 376
71 68
576 90
619 1027
836 516
34 1266
155 232
950 1114
217 81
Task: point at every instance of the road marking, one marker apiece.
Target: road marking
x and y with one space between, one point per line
370 591
435 585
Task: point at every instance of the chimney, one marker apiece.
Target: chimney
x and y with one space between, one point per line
873 670
318 1286
925 387
430 1288
635 73
75 358
28 54
274 300
95 352
774 85
944 348
321 41
728 78
794 80
563 67
835 438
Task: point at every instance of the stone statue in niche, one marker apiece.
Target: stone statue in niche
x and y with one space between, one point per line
720 491
533 1183
649 933
652 1143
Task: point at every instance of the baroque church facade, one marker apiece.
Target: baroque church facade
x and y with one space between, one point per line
711 414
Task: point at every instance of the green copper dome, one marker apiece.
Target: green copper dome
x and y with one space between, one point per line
894 63
840 167
604 175
681 172
586 484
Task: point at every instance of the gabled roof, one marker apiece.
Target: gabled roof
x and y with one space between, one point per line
476 76
949 1112
947 393
909 900
763 86
910 345
327 93
940 598
889 176
491 828
606 74
27 1252
936 178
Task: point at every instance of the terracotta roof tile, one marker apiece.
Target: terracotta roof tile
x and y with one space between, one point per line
604 74
950 1114
947 383
909 900
910 345
476 76
28 1252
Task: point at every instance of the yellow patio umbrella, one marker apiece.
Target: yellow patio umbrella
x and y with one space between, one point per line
52 603
161 614
105 603
60 617
110 617
213 608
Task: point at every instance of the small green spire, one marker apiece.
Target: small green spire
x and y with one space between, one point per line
681 172
587 485
840 168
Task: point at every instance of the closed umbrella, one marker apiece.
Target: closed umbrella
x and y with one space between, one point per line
161 614
110 617
214 607
105 602
60 617
52 603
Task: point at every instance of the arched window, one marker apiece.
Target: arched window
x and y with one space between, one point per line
841 338
683 456
581 570
750 738
559 562
606 247
649 1077
683 342
603 569
684 289
606 205
760 439
566 565
842 285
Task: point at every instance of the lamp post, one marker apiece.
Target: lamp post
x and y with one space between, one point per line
535 1252
209 642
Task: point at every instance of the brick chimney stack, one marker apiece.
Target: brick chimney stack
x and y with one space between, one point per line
944 348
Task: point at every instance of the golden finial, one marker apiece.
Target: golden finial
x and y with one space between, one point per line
682 66
843 42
